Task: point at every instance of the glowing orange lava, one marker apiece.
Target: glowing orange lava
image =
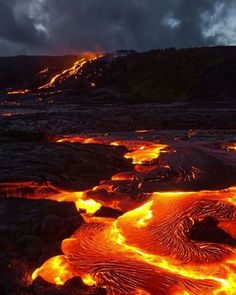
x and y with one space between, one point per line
140 151
148 249
57 269
146 153
73 71
143 240
20 91
232 147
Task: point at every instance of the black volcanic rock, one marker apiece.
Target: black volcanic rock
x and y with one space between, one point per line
68 166
25 244
108 212
34 224
208 231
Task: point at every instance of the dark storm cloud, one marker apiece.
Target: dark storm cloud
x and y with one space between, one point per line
18 32
61 26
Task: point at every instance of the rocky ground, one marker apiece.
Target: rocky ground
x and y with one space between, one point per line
106 110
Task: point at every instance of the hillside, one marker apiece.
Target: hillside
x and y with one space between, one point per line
181 75
169 75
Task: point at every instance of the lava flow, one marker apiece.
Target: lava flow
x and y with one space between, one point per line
20 91
140 151
148 249
73 71
232 147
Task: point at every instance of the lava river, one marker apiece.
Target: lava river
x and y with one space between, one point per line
148 249
74 71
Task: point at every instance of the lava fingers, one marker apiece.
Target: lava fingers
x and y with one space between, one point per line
148 250
97 251
163 227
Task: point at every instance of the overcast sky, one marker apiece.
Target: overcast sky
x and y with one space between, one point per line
72 26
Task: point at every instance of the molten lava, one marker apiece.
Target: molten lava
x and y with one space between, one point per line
148 249
20 91
140 151
232 147
76 69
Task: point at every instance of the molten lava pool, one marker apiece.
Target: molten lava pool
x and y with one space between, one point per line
150 248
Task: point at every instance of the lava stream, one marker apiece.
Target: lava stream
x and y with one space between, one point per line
20 91
74 70
232 147
150 244
140 151
148 249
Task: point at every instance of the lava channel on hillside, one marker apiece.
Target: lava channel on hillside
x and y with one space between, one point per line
55 80
148 248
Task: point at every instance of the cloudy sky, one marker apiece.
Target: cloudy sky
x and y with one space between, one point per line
71 26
